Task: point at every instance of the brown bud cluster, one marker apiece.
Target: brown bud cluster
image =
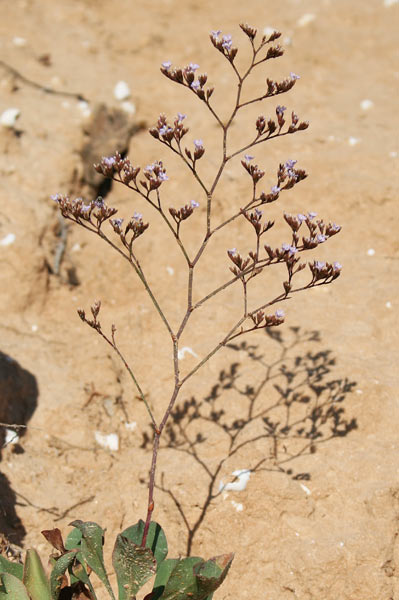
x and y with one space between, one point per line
224 44
183 213
253 170
249 31
261 320
109 166
135 226
324 271
261 126
186 77
255 219
155 175
95 309
77 210
167 133
238 260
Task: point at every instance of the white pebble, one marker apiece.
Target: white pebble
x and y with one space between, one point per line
9 239
122 91
359 392
76 247
388 304
110 441
9 117
170 270
84 108
371 251
34 327
19 41
305 489
242 477
11 437
186 350
128 107
352 141
237 505
393 154
366 104
306 19
388 3
131 426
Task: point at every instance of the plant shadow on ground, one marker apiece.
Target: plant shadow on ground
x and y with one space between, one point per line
306 410
18 401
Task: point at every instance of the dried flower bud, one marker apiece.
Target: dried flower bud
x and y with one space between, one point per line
199 149
250 31
274 51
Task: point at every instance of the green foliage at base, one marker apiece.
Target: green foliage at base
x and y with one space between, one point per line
134 565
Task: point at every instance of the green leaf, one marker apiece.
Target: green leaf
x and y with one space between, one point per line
74 539
78 572
156 538
12 588
58 571
34 577
133 565
163 573
92 550
7 566
194 578
211 574
182 580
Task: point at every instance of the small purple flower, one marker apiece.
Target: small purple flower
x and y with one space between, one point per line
195 85
290 164
280 314
321 238
294 77
248 157
275 189
337 267
227 42
258 212
194 204
137 216
108 161
290 249
164 129
280 110
215 34
162 176
301 218
285 247
180 117
56 197
312 215
167 64
117 223
193 67
150 167
85 208
319 265
99 202
232 251
336 227
199 144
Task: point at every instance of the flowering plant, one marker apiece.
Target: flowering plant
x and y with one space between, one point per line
140 551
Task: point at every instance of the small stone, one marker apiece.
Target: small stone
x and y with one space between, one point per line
122 91
352 141
371 252
366 104
19 41
8 239
128 107
9 117
306 19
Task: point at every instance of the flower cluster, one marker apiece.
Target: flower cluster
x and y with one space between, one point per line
109 166
77 210
155 175
253 170
324 271
167 133
95 309
136 226
261 320
255 218
224 44
186 76
183 213
279 87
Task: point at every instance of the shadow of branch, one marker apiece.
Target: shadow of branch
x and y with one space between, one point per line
304 409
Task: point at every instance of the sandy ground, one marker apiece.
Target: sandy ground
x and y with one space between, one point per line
318 518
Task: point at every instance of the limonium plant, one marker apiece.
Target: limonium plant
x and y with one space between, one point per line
140 551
